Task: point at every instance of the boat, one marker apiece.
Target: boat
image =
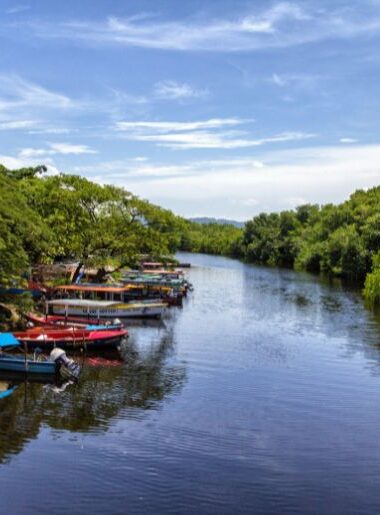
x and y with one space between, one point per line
98 309
37 364
124 293
72 338
57 321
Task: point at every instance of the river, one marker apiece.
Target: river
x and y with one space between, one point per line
261 395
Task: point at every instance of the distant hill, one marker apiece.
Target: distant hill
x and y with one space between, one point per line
221 221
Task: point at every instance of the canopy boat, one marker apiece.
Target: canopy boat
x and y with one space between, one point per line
98 309
72 338
123 293
159 278
37 364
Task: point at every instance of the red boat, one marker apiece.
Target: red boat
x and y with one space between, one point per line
71 338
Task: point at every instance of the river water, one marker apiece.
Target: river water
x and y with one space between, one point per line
261 395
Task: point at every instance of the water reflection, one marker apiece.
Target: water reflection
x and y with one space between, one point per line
139 381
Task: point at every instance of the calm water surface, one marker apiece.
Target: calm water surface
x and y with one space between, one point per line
262 395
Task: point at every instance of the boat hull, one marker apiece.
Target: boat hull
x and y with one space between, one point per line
94 344
110 313
18 364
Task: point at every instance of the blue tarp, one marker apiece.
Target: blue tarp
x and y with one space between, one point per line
102 327
8 340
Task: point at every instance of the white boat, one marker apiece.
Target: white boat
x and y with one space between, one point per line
97 309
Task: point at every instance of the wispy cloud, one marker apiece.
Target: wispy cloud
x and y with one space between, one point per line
16 92
283 24
36 109
56 148
170 89
17 124
207 134
162 90
17 9
213 123
348 140
298 80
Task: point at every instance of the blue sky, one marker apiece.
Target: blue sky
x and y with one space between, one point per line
216 108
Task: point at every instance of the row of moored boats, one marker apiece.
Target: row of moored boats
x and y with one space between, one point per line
89 317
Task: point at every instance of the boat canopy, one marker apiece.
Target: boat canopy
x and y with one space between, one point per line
8 340
83 303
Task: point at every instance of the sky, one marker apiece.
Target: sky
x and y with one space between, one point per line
209 108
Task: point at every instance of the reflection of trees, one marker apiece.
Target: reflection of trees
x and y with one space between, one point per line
142 382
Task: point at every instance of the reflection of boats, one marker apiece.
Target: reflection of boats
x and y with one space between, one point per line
6 389
71 338
98 309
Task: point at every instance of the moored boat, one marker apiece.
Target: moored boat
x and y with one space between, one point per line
37 364
105 309
124 293
57 321
72 338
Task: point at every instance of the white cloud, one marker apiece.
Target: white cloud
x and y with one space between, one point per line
32 152
200 134
348 140
14 162
213 123
67 148
139 159
56 148
281 25
16 92
274 180
17 124
278 80
298 80
171 90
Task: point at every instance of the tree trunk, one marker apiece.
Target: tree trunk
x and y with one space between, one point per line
77 271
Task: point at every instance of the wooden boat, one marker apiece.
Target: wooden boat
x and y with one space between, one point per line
71 338
97 309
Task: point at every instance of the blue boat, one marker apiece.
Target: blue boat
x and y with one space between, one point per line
26 365
36 365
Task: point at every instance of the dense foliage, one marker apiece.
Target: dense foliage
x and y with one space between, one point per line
338 240
211 238
342 240
47 218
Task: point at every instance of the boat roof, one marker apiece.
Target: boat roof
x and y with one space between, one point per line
92 287
109 288
163 272
83 303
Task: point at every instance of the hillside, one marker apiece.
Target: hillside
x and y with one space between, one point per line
221 221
